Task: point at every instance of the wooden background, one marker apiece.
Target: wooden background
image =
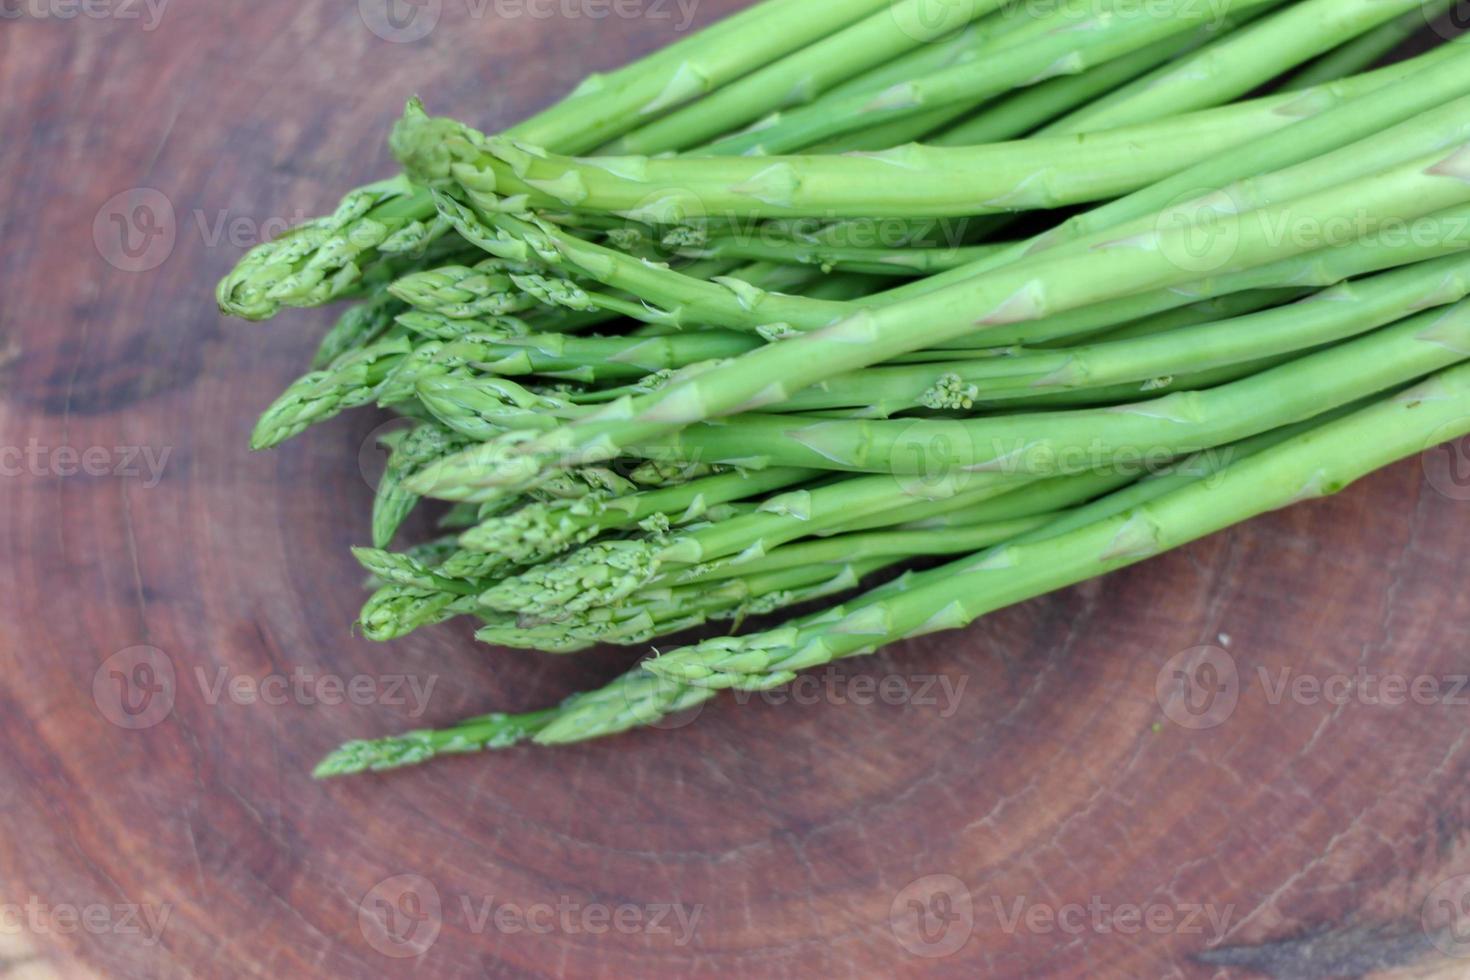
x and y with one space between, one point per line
1296 838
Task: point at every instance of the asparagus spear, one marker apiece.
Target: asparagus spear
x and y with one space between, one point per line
1387 115
931 181
1046 443
1322 318
324 258
1029 108
1316 464
410 452
541 531
1114 30
679 299
1018 293
1090 541
1370 48
804 74
1241 61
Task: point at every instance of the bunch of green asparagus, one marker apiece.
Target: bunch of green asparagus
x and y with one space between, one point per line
806 301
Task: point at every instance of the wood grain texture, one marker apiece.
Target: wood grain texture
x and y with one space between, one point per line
1006 779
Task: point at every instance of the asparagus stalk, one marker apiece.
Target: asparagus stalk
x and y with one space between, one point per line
1323 318
805 74
1114 30
633 700
324 258
1058 442
542 531
1387 115
1318 463
1193 506
647 615
1029 108
1397 243
830 258
679 299
1368 49
910 181
603 574
1018 293
409 452
1240 62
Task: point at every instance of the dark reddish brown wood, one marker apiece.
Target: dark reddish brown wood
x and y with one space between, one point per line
806 834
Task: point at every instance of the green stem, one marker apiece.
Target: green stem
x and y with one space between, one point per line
1341 312
1320 462
1018 293
1060 442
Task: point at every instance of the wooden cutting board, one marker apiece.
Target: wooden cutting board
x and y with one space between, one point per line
1181 771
